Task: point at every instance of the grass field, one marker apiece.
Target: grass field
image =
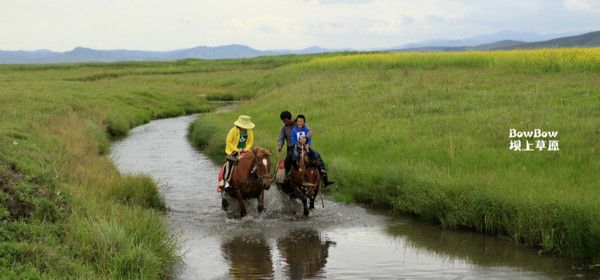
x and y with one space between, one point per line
427 134
65 210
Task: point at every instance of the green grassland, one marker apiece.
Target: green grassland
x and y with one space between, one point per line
65 211
427 134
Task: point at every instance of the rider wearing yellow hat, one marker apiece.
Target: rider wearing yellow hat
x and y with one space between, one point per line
239 139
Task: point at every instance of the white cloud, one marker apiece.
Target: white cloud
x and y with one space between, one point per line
531 5
271 24
583 5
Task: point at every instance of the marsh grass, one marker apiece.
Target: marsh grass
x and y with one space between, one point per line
66 212
139 191
427 134
424 134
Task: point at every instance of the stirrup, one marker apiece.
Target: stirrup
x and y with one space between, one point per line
327 182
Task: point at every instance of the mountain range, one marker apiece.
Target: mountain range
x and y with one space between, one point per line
487 39
591 39
80 54
505 40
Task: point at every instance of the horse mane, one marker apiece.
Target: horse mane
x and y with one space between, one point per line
261 152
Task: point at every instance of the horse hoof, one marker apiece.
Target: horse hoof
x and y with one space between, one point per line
261 208
224 204
306 213
243 214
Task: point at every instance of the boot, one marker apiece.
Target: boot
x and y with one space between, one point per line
326 181
226 177
227 186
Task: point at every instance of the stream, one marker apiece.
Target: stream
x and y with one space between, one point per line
339 242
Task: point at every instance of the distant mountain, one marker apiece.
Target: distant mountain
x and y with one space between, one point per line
498 45
80 54
591 39
505 40
485 39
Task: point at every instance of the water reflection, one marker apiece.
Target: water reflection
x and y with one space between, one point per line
249 257
304 252
281 245
482 250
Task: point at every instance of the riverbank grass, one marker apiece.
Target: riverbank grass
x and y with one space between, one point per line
65 210
428 134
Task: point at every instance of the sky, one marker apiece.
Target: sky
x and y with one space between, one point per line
62 25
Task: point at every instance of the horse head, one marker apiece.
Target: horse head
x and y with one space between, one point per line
262 162
311 180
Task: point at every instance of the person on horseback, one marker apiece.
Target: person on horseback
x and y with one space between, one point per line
239 139
285 137
302 135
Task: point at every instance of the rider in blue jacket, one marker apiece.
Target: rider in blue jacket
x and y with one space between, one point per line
299 132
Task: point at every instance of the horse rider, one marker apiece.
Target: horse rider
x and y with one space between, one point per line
301 134
239 139
285 135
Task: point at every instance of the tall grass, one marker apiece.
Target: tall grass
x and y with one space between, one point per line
544 60
65 211
427 134
414 133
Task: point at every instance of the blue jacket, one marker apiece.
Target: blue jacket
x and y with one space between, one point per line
303 132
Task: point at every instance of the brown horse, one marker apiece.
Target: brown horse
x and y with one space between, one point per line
305 253
250 178
306 180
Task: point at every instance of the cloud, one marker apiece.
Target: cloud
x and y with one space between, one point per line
344 2
274 24
531 5
583 5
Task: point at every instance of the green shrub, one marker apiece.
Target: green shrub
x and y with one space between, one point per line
137 190
118 126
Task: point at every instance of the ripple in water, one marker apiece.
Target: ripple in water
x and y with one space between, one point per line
337 242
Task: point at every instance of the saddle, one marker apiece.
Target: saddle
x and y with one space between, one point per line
281 175
233 159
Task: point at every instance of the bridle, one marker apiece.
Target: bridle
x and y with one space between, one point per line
257 168
304 183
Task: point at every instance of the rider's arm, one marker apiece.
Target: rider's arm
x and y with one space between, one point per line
281 137
294 136
250 140
308 135
231 145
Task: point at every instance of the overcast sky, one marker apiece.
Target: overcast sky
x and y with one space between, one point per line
276 24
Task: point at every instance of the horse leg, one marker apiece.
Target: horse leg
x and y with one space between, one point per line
224 204
304 202
240 199
312 199
261 199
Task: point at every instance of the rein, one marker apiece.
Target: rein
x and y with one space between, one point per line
256 167
254 171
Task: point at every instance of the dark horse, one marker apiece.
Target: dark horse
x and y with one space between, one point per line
250 178
305 181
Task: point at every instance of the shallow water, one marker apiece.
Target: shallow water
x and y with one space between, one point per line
338 242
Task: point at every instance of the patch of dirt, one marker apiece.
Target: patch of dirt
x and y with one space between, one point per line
17 207
226 108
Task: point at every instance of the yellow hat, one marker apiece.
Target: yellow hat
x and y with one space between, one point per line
244 122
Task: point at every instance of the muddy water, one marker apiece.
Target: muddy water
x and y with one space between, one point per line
338 242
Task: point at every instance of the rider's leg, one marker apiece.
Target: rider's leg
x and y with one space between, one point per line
231 159
322 169
225 178
288 160
295 155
